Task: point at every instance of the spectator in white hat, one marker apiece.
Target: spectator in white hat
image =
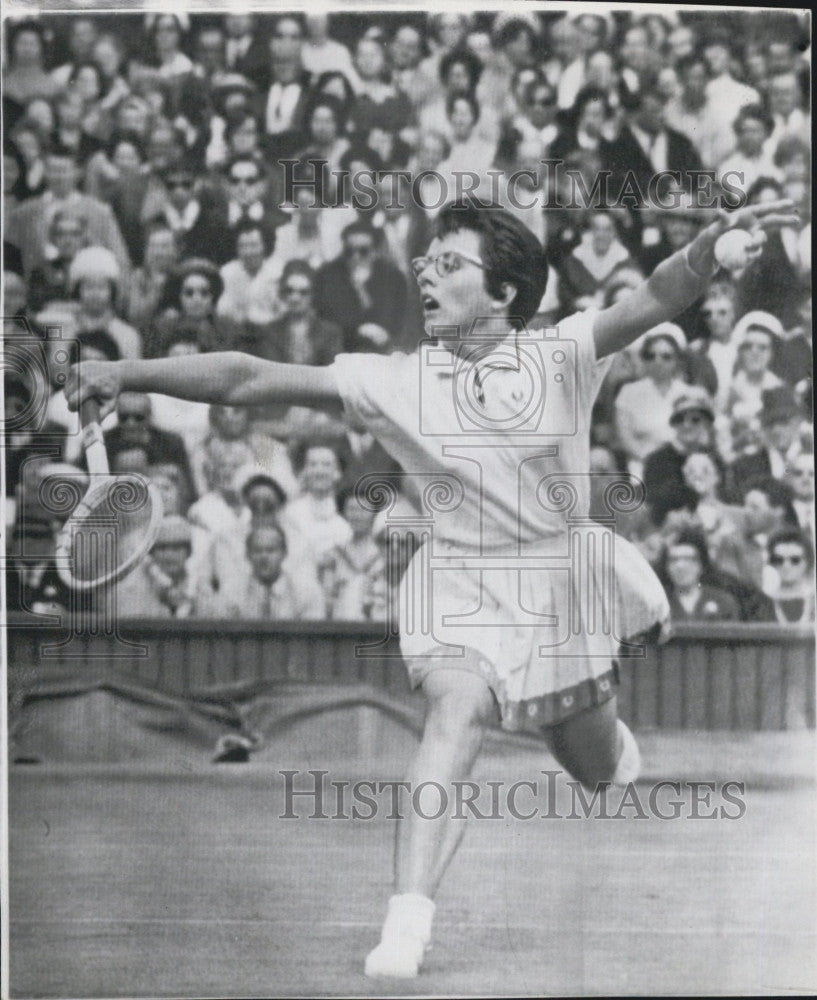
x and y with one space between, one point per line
643 408
755 337
94 279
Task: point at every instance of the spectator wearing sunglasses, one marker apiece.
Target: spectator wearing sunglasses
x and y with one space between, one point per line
248 198
135 429
363 293
189 298
643 408
536 119
692 422
299 336
792 595
196 213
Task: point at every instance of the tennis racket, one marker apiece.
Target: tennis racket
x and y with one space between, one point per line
116 522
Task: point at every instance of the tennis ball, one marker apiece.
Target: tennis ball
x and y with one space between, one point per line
731 249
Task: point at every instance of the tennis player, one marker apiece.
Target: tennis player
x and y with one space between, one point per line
485 630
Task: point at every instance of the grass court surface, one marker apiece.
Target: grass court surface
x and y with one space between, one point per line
183 881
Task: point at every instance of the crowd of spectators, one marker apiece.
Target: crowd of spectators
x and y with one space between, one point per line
148 213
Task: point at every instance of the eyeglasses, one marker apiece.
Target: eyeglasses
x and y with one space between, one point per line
244 180
792 560
296 290
445 263
658 356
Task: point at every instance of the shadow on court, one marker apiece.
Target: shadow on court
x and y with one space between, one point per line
185 882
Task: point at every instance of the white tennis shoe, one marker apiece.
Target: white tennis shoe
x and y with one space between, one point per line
396 958
405 938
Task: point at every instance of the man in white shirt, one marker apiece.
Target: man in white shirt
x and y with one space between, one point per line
751 159
725 94
800 474
270 590
322 54
784 106
692 113
244 284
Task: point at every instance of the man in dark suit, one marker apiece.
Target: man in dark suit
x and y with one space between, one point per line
196 213
363 293
289 85
245 50
780 420
135 430
249 200
645 146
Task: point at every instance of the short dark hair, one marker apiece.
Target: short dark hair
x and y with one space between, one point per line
694 538
267 525
695 58
714 458
303 447
262 479
467 58
510 251
778 493
756 113
335 105
118 136
244 158
790 536
297 267
469 99
360 227
585 96
251 226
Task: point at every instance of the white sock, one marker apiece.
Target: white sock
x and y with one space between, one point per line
629 763
406 935
409 913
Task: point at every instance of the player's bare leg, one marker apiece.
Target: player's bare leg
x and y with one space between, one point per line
595 745
459 705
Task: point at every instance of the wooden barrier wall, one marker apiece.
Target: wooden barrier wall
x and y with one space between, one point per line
721 676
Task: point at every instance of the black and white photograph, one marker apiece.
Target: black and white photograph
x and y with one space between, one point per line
408 459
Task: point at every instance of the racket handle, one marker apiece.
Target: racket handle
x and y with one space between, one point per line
89 411
92 439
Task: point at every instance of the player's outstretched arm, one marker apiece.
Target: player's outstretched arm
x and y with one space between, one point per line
229 378
678 281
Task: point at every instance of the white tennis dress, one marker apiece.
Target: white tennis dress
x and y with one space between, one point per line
511 566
